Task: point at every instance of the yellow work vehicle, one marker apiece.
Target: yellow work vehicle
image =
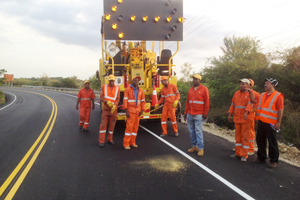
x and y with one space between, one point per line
127 26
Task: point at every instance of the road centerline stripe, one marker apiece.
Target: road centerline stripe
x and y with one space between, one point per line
224 181
33 147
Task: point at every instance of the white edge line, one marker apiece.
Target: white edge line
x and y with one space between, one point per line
234 188
11 102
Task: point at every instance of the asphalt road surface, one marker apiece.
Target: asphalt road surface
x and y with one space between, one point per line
43 155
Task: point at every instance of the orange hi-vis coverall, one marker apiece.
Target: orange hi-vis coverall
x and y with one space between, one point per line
169 95
197 102
241 103
85 106
111 94
134 107
252 125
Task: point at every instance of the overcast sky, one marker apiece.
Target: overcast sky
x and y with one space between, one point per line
62 37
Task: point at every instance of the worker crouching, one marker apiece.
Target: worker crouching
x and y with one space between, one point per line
134 104
86 98
110 97
171 96
243 116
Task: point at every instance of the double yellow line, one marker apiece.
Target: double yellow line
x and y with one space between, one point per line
23 174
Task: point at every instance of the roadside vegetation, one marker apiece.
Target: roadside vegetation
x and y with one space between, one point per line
243 58
2 96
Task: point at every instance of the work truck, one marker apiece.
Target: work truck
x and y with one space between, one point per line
127 27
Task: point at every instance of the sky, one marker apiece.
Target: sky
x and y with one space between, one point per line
61 38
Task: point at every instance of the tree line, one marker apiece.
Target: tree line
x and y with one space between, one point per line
243 57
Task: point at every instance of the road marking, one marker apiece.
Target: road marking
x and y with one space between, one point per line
27 155
11 102
234 188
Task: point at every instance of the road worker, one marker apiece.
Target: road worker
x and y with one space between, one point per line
86 98
254 97
243 116
196 110
134 104
171 96
269 115
110 97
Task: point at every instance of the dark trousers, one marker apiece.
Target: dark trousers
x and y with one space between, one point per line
264 132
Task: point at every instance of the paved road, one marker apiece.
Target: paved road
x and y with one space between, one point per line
69 164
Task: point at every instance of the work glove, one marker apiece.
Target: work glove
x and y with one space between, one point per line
110 104
175 104
156 106
113 108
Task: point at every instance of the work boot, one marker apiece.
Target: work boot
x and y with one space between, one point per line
243 159
233 149
111 142
85 129
177 134
193 149
250 153
200 152
80 127
127 148
233 156
273 164
134 146
101 145
163 135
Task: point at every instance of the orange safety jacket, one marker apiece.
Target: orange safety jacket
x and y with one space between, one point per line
110 95
197 102
267 111
241 103
86 97
169 94
129 101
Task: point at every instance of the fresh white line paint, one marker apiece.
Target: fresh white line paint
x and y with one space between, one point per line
234 188
11 102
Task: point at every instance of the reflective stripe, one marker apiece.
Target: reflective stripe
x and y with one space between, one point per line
125 98
242 107
163 122
85 99
238 144
252 141
143 100
110 132
131 101
232 104
86 123
260 100
272 101
162 95
81 122
197 102
266 116
269 110
170 95
128 134
112 98
103 131
173 122
176 92
245 147
135 134
154 92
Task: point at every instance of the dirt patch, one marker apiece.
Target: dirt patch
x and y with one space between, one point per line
288 154
163 163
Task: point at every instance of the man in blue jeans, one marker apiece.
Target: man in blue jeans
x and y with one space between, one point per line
196 109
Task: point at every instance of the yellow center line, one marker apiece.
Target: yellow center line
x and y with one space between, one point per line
25 158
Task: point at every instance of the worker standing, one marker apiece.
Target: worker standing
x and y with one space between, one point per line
196 109
269 115
171 96
243 116
86 98
134 104
110 97
254 97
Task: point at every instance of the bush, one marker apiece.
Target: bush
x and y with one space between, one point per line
2 98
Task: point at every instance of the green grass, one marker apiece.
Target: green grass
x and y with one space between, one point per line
2 98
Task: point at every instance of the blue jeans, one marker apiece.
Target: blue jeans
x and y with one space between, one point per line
194 123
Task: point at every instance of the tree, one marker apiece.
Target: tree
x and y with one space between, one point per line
70 82
186 71
45 80
94 84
